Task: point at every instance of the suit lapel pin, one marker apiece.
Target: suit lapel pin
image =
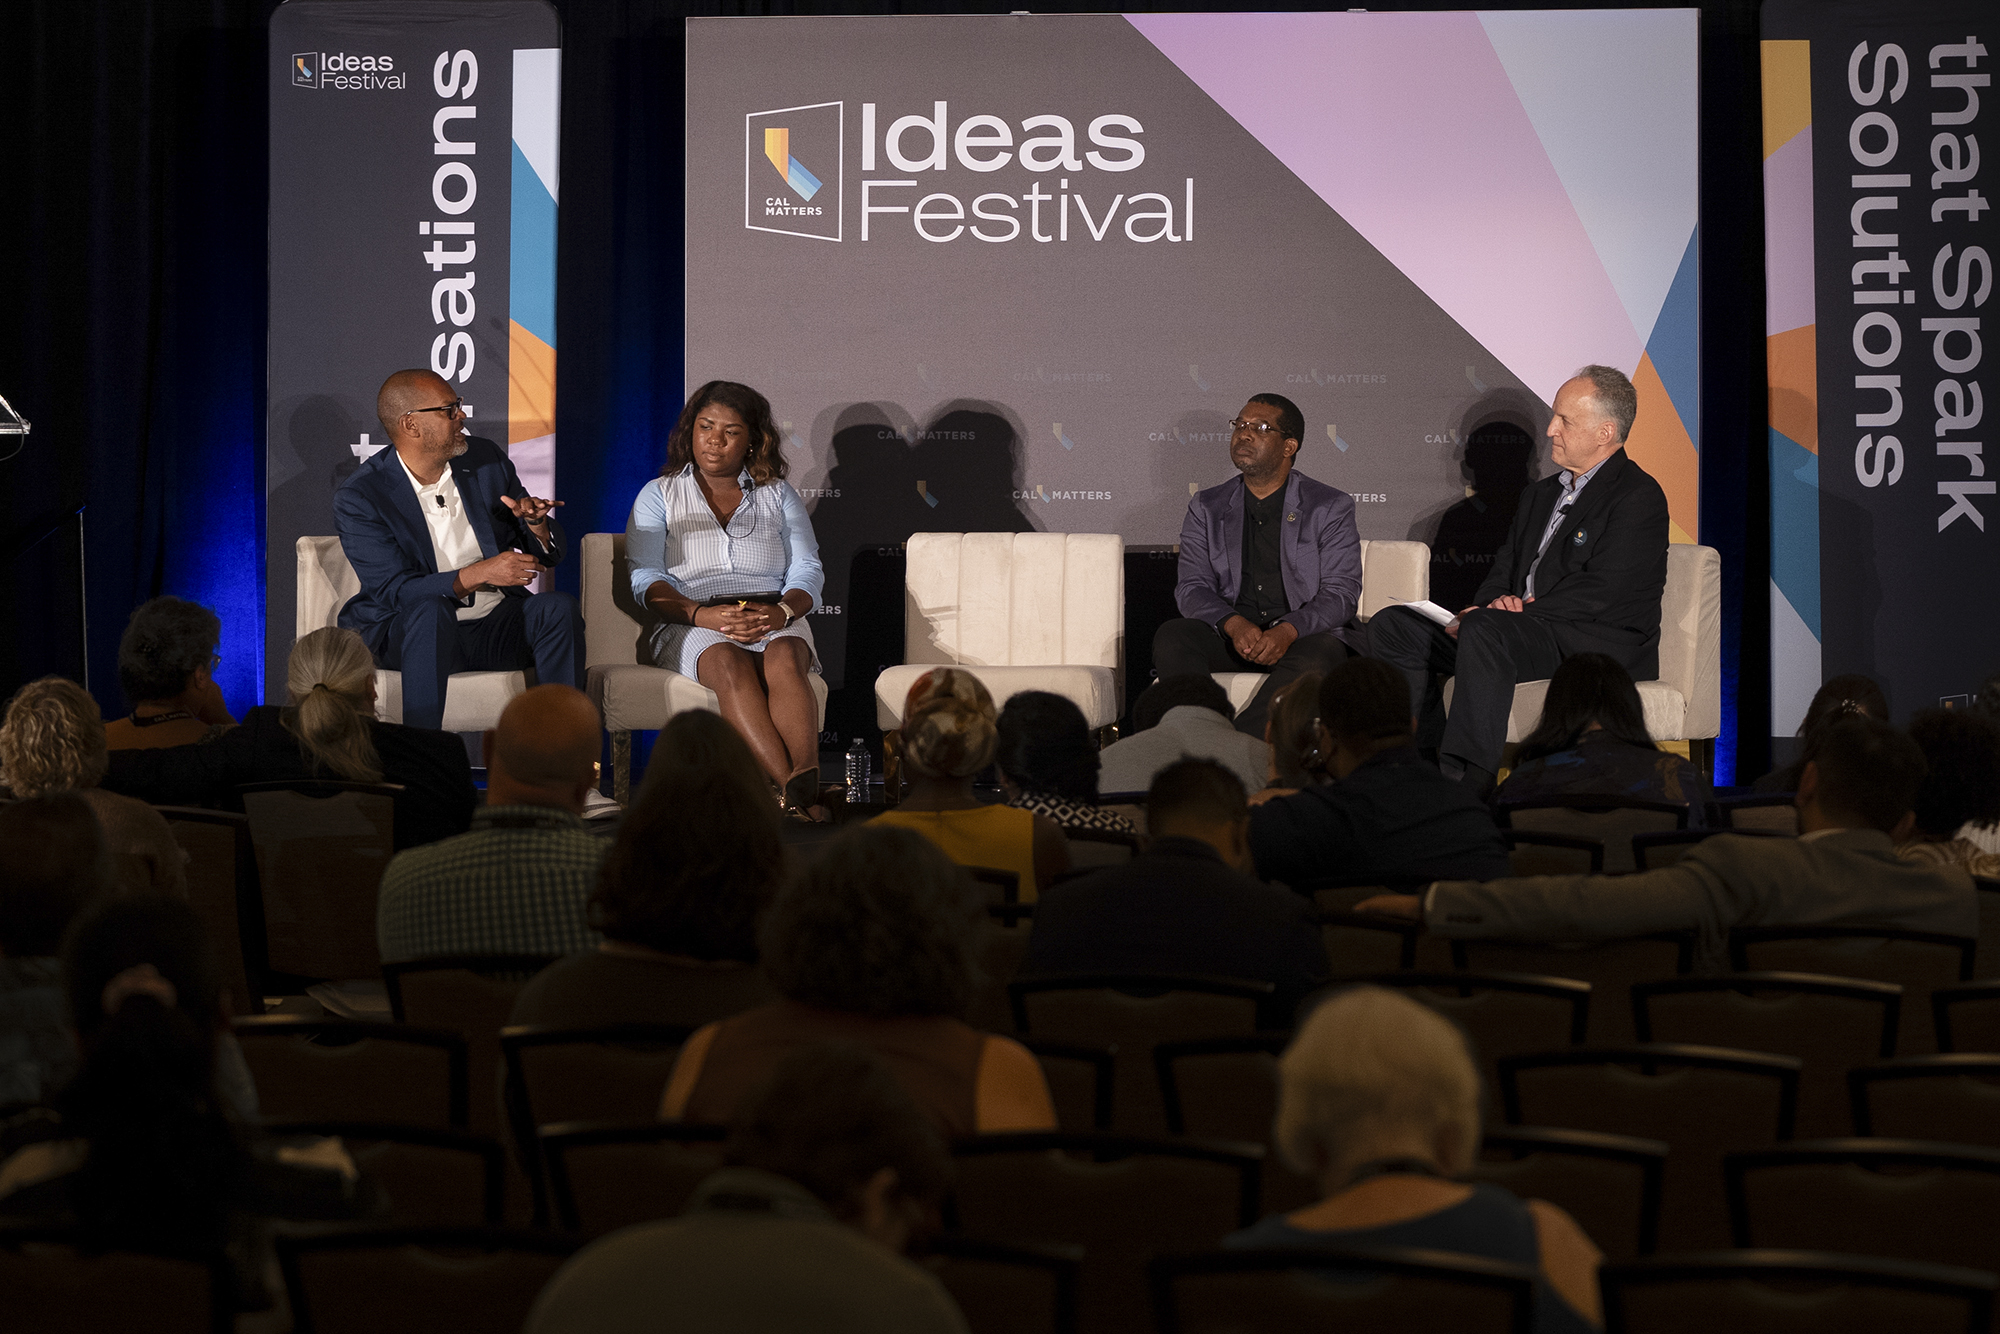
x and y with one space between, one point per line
1293 517
1580 536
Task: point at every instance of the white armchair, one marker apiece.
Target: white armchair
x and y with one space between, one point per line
472 700
631 693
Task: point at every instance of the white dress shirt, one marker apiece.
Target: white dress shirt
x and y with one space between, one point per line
451 535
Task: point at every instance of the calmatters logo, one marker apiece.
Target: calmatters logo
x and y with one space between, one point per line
792 170
337 69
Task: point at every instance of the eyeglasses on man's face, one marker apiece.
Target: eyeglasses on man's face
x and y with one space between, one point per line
1260 429
454 408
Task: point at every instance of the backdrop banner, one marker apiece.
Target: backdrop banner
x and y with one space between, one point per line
412 223
1018 272
1883 562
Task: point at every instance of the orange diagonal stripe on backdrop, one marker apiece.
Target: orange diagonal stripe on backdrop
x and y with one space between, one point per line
531 385
1660 444
1794 380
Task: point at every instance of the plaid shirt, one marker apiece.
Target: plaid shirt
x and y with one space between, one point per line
515 884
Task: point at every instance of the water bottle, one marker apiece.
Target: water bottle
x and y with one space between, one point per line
858 766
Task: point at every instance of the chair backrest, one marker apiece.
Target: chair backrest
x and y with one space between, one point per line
1386 1289
402 1280
432 1177
1904 1199
1611 823
1703 1101
1772 811
1917 961
1833 1024
1000 884
1967 1018
1610 966
1363 945
1988 895
222 889
1122 1198
1133 1013
1027 1289
614 624
1393 572
1760 1290
1015 599
471 995
325 582
350 1070
1610 1184
1691 634
604 1177
320 859
1090 848
1537 852
1227 1089
1003 943
1503 1014
58 1284
1082 1081
1952 1099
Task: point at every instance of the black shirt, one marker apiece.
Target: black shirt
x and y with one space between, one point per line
1260 598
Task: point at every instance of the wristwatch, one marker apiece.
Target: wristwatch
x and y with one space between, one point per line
790 615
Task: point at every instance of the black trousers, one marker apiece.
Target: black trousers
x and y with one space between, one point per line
1494 652
1186 647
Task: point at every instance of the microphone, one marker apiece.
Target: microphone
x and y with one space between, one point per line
439 500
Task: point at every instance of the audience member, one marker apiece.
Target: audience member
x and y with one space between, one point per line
1592 742
1842 697
1180 716
874 943
1048 764
146 1156
52 740
1292 732
56 863
328 730
1187 904
1986 837
830 1168
1390 818
1854 804
1378 1101
949 736
679 896
1960 791
164 661
516 882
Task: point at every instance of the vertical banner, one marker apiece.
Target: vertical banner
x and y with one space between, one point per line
1885 526
412 223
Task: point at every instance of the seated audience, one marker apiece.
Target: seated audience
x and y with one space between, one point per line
829 1170
146 1155
56 863
164 661
1292 732
1961 789
949 736
516 882
1178 716
1854 804
679 896
1592 742
1188 904
1986 837
874 943
1389 818
52 740
328 730
1048 764
1842 697
1378 1101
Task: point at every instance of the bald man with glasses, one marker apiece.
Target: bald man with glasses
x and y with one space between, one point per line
446 542
1270 566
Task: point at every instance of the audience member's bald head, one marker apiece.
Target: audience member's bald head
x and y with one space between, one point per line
406 391
544 750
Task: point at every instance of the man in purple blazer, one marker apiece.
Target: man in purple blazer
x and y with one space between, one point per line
1270 566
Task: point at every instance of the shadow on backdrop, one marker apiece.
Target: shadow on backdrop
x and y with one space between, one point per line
1497 457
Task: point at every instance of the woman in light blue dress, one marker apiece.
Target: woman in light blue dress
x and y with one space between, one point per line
720 522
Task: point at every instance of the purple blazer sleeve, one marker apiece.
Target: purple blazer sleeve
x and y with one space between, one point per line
1199 593
1325 580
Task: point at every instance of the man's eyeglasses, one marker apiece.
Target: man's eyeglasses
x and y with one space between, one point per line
451 409
1261 428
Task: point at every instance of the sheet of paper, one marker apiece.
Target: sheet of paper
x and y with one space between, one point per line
1432 611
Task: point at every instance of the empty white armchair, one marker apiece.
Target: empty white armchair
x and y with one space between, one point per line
472 700
1391 572
631 693
1020 611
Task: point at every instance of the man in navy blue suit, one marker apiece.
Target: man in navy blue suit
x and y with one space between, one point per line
1270 566
446 541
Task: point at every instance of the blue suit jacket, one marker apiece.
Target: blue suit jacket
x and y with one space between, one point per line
1319 555
389 544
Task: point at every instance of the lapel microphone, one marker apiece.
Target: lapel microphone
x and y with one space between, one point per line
439 500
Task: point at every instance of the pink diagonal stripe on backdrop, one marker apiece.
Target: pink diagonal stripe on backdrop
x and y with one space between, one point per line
1788 235
1408 127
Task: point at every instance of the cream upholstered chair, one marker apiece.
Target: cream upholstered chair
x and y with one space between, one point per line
472 700
631 693
1020 611
1685 703
1391 572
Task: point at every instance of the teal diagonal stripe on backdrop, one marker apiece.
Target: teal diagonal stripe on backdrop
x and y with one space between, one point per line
1795 527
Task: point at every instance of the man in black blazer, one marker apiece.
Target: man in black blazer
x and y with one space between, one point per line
1581 572
446 540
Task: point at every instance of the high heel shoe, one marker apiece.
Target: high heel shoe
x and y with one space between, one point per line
801 793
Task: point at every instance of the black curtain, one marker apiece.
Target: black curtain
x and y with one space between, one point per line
132 290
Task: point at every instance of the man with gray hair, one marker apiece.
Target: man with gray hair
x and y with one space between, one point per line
1581 571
